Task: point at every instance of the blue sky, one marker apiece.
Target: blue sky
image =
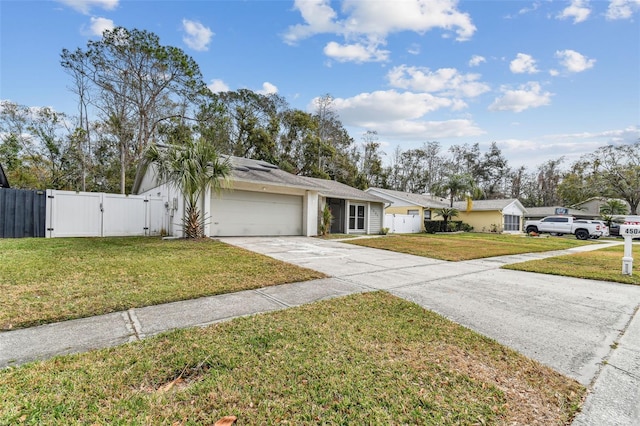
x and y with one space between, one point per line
542 79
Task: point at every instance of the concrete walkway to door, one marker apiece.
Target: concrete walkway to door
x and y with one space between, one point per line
588 330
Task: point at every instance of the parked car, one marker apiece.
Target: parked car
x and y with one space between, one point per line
614 229
561 225
600 225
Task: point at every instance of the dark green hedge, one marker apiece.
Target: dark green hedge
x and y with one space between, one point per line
433 226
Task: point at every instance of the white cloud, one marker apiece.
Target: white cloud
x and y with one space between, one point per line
100 25
527 96
476 60
85 6
574 61
318 16
446 81
384 106
523 64
197 36
366 24
572 146
526 10
355 53
578 10
419 131
385 17
268 89
622 9
414 49
217 86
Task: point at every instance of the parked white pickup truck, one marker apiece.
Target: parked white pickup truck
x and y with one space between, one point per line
582 229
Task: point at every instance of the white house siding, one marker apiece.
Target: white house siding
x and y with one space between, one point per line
252 213
173 207
376 218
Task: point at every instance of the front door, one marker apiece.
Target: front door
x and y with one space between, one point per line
337 215
356 217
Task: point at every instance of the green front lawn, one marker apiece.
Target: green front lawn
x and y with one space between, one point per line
466 246
364 359
48 280
604 264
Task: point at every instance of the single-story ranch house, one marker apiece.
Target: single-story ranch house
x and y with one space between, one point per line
264 200
502 215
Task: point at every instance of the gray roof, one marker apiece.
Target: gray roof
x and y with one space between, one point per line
551 211
248 170
334 189
262 172
421 200
479 205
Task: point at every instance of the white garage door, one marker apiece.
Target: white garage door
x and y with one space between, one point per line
246 213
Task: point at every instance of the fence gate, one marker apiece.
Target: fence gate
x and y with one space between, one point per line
22 213
97 214
403 223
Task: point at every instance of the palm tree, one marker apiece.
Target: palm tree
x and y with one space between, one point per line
193 168
455 186
610 208
447 213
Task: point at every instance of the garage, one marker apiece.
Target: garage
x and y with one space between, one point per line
249 213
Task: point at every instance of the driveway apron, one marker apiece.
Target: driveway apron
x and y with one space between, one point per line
588 330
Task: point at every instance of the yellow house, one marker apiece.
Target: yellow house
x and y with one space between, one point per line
504 215
406 203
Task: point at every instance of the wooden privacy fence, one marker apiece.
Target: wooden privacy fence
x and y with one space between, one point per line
22 213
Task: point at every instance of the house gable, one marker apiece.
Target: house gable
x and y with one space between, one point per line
395 201
399 198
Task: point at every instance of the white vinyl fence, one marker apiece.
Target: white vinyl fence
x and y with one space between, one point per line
97 214
403 223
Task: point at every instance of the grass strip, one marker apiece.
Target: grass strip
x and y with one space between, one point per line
363 359
49 280
466 246
604 264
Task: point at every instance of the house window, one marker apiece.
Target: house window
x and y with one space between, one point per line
511 222
427 215
413 212
356 217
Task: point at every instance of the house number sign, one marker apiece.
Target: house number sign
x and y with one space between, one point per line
629 230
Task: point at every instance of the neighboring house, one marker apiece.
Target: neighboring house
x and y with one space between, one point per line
592 205
265 201
504 215
406 203
4 182
537 213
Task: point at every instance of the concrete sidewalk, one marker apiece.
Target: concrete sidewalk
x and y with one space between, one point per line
588 330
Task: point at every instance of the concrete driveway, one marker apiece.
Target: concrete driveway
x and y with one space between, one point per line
588 330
